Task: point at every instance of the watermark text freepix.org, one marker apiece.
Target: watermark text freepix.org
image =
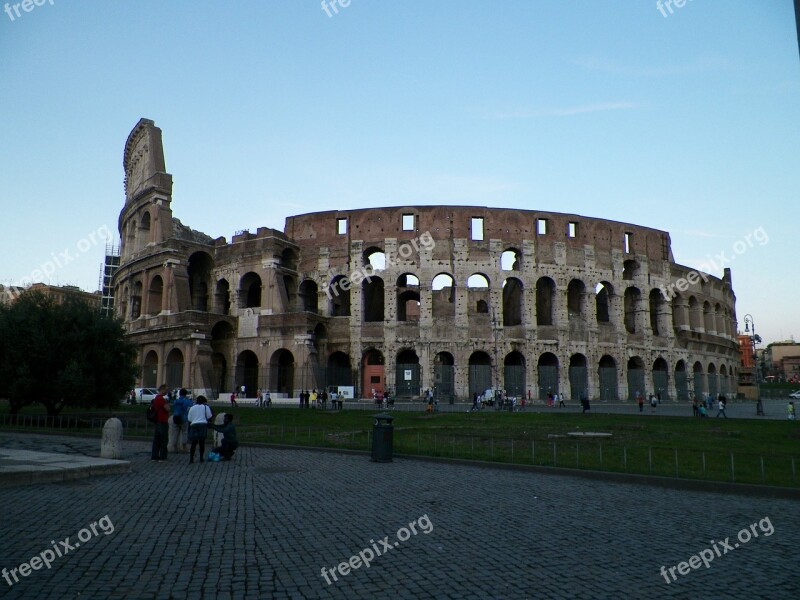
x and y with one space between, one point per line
367 555
365 273
46 557
693 277
668 4
705 556
26 6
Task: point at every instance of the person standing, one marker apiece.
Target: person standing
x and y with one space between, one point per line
199 416
653 403
640 401
561 401
233 398
179 424
267 399
790 411
695 409
161 435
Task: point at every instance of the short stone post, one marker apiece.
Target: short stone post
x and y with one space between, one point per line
173 436
218 420
111 442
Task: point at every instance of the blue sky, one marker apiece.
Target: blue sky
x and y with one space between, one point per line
687 123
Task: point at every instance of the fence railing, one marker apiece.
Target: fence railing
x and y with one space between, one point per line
598 454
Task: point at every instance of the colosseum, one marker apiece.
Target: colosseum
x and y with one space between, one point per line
458 299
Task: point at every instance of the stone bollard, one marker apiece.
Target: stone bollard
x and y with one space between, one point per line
111 442
218 420
173 435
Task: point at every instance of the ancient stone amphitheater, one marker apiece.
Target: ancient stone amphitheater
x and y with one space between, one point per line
458 299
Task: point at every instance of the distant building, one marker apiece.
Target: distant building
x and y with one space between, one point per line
782 360
9 294
747 374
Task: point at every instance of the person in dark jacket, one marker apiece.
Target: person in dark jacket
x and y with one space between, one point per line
229 442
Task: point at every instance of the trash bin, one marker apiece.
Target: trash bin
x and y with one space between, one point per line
382 437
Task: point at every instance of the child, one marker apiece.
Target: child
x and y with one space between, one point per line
229 441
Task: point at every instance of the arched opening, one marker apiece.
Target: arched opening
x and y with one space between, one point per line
698 381
512 302
548 375
407 375
656 311
695 314
175 369
603 293
136 300
444 376
713 388
247 373
288 292
661 378
281 377
480 372
143 235
408 299
679 317
222 298
289 259
514 374
443 296
576 300
478 294
633 303
339 370
308 295
150 370
199 271
219 379
372 293
373 373
708 318
155 296
250 291
630 269
681 381
511 260
723 380
636 378
578 377
607 376
374 258
545 301
339 295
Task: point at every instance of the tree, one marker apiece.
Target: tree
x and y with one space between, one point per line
62 355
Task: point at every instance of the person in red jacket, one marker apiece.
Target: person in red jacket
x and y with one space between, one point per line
161 435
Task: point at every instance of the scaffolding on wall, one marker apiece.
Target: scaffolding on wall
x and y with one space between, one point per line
110 267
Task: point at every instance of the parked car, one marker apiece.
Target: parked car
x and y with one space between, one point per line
795 395
145 395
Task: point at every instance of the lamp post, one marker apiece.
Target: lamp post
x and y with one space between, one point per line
750 327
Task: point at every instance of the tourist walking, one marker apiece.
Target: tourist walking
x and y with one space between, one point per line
561 401
721 407
790 411
161 435
199 416
233 399
653 403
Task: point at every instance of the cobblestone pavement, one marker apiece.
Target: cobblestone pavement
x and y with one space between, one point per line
264 525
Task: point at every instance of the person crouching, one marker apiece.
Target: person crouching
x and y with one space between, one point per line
229 442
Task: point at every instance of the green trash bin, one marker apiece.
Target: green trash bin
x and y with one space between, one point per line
382 438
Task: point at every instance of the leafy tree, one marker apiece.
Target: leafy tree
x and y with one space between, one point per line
62 355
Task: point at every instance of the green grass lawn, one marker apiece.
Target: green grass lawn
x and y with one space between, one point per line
711 449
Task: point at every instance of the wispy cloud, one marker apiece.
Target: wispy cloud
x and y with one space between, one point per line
562 112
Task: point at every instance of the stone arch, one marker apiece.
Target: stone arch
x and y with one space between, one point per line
174 369
511 260
340 371
136 300
372 295
222 297
408 374
632 304
374 258
247 374
545 301
708 318
199 272
609 381
657 326
282 372
681 381
480 372
513 302
373 373
443 295
250 290
661 379
636 379
155 295
578 377
630 269
408 298
695 314
339 296
478 286
698 380
308 295
576 300
711 377
604 292
444 375
514 374
548 380
150 370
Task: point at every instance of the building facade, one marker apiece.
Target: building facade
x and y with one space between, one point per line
459 299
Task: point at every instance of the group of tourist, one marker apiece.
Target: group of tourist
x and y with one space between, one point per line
701 407
319 399
188 421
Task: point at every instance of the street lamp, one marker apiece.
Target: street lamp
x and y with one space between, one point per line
754 339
